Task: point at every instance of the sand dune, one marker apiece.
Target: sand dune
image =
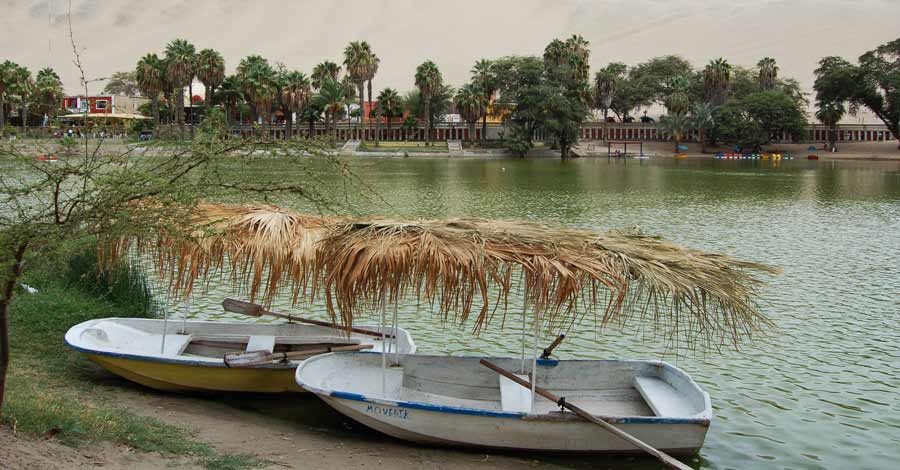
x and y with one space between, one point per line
113 35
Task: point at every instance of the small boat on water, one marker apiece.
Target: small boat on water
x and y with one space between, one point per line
190 356
456 401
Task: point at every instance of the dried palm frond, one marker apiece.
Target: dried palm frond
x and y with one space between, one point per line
467 265
262 247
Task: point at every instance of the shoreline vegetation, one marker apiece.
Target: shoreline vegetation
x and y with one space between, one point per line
538 99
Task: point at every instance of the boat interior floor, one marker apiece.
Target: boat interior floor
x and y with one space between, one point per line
217 346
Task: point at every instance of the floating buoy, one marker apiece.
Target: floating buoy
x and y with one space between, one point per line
47 158
812 157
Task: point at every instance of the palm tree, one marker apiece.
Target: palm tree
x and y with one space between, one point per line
485 79
677 125
830 113
210 72
324 71
361 65
372 69
678 101
230 93
391 105
259 84
429 81
149 75
23 87
703 120
295 91
470 105
333 98
768 73
7 82
606 84
716 81
576 47
48 91
180 64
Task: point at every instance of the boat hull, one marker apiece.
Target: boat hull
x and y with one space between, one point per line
563 435
172 377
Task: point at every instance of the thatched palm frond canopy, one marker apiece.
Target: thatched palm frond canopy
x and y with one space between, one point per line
463 266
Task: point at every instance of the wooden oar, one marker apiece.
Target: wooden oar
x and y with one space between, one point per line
549 349
254 310
262 358
662 456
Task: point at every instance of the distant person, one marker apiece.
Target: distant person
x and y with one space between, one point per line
647 119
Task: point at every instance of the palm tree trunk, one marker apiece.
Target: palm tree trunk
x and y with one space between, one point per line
428 122
288 124
702 141
472 132
179 110
390 133
2 112
154 103
334 126
483 126
24 117
191 106
361 136
206 95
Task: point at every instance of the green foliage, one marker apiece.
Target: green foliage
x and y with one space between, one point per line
752 121
122 83
519 140
873 83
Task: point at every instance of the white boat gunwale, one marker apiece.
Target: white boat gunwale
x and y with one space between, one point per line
178 359
703 418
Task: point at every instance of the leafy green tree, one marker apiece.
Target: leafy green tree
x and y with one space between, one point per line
429 81
753 121
566 102
470 105
210 72
181 61
231 95
121 83
149 74
333 96
873 83
523 92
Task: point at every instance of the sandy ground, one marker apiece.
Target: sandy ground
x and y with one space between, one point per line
291 431
20 453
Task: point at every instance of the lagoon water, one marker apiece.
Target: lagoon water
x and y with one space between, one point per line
820 392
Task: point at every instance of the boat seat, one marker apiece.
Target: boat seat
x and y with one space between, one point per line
175 344
662 398
514 398
261 343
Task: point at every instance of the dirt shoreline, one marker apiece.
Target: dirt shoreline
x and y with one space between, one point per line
288 431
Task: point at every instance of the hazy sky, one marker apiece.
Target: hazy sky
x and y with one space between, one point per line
113 34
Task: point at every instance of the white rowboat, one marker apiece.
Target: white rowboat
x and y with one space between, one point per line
455 401
190 356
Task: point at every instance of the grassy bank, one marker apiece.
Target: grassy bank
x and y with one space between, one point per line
51 389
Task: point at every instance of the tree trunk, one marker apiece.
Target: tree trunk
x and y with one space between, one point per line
191 106
377 119
334 127
390 132
8 290
483 126
179 111
2 112
702 141
288 124
361 136
472 132
676 144
24 118
206 95
428 122
155 105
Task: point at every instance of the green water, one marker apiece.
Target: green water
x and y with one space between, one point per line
820 392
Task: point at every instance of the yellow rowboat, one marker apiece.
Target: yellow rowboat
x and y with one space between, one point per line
189 356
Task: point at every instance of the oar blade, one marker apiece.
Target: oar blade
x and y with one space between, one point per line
244 308
248 358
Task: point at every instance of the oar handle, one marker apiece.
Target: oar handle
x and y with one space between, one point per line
549 349
662 456
255 310
309 352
